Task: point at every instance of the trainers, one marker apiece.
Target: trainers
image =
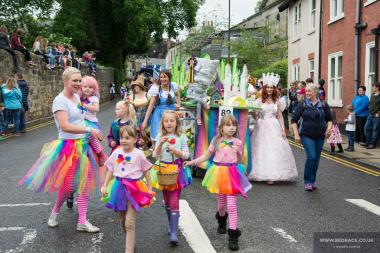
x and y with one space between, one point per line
308 187
52 222
87 227
314 186
371 146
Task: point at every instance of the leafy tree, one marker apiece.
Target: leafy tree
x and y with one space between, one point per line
193 43
279 67
33 16
117 28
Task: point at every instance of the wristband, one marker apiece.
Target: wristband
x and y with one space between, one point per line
88 129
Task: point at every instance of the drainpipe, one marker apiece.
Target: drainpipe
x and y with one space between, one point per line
358 28
320 39
376 31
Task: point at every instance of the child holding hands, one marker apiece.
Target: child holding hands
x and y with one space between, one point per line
128 193
171 150
225 177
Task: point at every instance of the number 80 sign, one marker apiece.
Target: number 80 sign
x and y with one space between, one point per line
224 110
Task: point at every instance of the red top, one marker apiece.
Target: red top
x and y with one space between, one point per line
16 41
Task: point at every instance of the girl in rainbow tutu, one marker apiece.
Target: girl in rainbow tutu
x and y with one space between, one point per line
225 177
128 193
170 151
68 164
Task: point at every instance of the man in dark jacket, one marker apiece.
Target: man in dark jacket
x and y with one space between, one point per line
24 87
372 125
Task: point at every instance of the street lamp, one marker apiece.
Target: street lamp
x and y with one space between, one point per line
229 29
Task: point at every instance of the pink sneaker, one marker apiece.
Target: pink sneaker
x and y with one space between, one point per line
308 187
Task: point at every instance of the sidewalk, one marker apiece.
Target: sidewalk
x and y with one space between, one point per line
367 157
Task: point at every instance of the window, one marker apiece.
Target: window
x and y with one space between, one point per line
297 21
336 9
335 70
311 69
313 6
296 72
368 2
369 66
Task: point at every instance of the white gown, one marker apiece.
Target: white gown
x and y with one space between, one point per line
272 157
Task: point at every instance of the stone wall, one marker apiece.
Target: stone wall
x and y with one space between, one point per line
45 84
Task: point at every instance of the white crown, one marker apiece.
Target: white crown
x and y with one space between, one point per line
270 79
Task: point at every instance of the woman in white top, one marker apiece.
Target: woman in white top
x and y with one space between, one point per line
39 49
68 164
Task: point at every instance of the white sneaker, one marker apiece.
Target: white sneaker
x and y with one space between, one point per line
87 227
52 222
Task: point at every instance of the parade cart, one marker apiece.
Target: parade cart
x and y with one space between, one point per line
209 128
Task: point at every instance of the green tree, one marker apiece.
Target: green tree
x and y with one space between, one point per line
279 67
118 28
196 39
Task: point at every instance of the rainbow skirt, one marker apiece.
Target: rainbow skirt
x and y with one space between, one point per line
126 190
68 163
184 178
226 178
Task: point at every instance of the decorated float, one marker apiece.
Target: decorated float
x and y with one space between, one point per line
211 89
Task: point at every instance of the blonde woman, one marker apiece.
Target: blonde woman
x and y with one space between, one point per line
12 103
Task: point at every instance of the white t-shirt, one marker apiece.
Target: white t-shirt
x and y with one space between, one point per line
91 116
154 90
128 165
75 115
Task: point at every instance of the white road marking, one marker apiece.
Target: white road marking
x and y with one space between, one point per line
192 230
29 236
25 204
96 240
366 205
284 235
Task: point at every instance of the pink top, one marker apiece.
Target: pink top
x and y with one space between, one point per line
128 165
227 151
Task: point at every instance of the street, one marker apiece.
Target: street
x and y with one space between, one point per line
275 218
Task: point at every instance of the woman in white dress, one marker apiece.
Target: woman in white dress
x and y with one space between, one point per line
272 157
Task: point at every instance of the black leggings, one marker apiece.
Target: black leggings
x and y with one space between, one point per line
25 52
46 58
359 130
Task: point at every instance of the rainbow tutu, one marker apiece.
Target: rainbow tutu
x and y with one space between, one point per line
54 169
226 178
126 190
184 178
91 124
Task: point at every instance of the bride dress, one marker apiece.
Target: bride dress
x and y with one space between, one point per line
272 157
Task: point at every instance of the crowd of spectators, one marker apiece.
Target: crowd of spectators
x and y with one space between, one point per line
55 55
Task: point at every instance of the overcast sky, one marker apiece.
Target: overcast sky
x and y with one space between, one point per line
217 11
240 9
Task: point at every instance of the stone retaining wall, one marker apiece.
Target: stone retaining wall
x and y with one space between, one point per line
45 84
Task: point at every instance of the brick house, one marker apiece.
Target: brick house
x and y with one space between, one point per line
348 60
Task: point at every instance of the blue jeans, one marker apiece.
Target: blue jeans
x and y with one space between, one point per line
15 113
1 122
351 138
22 119
313 148
372 130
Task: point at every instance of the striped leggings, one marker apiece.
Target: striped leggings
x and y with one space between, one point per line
228 202
95 144
67 189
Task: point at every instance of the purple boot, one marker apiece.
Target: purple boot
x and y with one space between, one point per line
174 217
